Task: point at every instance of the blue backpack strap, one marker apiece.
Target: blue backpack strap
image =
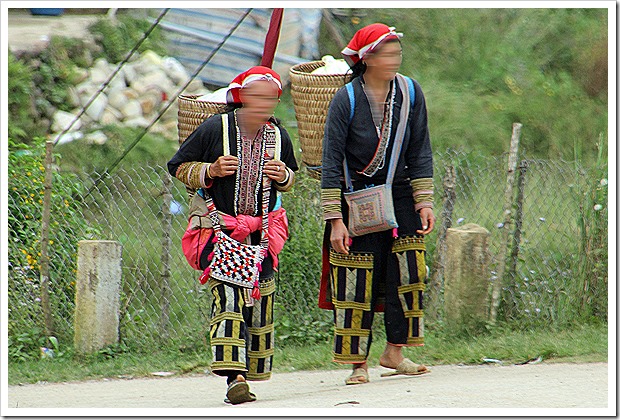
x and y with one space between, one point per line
349 87
411 91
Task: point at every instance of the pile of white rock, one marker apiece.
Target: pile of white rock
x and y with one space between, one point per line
134 97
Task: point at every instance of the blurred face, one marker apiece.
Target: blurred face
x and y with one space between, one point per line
384 62
259 99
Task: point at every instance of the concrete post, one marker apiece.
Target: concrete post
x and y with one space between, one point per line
466 277
97 298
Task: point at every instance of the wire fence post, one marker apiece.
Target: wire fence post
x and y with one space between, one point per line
439 263
516 236
165 255
508 199
45 228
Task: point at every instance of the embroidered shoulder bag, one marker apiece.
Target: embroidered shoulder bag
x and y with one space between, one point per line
232 261
372 209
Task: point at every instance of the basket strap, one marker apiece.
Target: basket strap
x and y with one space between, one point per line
226 140
400 131
272 146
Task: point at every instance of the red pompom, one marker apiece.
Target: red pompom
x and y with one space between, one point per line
256 291
205 275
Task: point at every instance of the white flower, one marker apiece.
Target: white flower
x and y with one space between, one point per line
460 220
499 225
542 219
598 207
604 182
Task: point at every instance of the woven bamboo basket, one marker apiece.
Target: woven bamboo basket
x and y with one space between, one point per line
312 94
192 112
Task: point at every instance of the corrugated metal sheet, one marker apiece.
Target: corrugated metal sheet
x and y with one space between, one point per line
194 33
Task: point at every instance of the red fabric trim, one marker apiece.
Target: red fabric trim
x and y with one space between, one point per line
323 302
271 39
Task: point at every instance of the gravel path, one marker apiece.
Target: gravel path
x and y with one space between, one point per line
550 385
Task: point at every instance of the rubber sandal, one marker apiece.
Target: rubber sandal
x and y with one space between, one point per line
238 393
407 367
252 395
354 378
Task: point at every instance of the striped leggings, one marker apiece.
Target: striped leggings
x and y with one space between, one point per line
242 336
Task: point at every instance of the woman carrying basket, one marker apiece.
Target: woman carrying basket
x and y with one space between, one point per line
376 134
239 162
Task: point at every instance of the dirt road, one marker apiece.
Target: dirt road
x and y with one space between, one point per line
551 385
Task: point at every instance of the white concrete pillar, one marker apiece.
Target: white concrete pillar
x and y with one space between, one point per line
97 298
466 277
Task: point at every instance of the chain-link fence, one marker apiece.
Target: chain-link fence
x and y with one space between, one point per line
162 302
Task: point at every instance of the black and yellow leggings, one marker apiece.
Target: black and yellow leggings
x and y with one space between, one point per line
378 270
242 336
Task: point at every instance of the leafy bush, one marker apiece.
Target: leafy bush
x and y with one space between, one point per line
117 38
484 69
22 126
25 205
593 222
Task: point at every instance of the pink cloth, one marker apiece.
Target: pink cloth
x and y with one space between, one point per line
243 225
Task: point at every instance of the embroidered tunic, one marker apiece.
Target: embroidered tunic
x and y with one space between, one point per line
359 141
205 145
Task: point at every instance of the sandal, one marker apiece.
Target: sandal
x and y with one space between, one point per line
358 376
407 367
238 392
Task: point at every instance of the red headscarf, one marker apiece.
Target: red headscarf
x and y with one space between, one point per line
249 76
367 39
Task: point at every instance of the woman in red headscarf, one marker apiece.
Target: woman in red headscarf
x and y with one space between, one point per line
226 158
385 270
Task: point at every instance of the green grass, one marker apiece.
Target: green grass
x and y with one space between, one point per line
581 344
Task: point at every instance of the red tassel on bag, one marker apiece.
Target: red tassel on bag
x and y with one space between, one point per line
210 256
260 267
256 291
395 232
205 275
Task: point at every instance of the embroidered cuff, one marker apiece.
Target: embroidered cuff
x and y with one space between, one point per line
422 193
194 175
330 201
288 182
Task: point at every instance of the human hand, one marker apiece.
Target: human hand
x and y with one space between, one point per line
339 237
224 166
276 170
428 221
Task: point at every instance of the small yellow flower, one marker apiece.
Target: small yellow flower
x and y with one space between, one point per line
28 173
51 242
